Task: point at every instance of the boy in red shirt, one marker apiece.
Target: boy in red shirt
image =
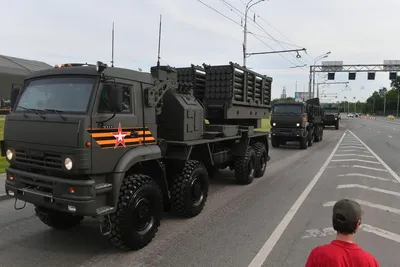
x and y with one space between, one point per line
343 252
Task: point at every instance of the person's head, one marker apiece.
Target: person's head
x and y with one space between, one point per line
346 217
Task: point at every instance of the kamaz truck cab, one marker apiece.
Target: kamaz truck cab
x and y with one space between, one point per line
73 133
331 115
296 121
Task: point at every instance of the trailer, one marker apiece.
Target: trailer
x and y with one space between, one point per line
124 146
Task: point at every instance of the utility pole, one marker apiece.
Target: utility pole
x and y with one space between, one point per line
398 100
248 6
384 105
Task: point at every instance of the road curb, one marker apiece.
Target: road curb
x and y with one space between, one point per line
4 197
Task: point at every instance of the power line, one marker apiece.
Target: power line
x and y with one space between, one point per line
263 29
219 13
242 27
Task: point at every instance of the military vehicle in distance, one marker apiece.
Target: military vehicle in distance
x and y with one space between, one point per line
122 145
331 115
297 121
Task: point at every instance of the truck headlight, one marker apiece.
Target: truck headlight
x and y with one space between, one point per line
274 124
68 163
9 154
335 118
298 124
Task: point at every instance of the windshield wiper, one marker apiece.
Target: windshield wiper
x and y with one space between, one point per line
37 111
58 112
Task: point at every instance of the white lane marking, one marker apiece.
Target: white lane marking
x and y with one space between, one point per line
367 176
390 136
394 193
328 231
266 249
351 143
357 147
368 168
381 233
351 150
359 160
353 155
379 159
368 204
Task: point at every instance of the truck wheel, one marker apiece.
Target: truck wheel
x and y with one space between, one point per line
57 219
274 141
261 159
245 167
303 143
189 190
310 139
138 214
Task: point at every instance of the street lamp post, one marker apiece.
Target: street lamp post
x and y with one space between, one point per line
315 62
248 6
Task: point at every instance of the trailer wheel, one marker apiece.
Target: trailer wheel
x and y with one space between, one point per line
57 219
138 214
310 138
274 141
189 190
261 159
245 167
303 142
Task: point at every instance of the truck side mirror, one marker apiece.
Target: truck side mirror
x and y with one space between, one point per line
14 96
115 98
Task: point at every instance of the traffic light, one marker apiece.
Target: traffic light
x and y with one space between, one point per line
371 75
392 75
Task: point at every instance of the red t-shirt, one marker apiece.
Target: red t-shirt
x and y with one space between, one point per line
340 254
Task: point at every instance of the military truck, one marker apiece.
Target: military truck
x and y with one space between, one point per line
124 146
296 121
332 115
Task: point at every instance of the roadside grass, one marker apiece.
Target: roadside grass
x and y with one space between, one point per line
3 161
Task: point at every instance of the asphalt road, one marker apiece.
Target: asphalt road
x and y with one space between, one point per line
277 219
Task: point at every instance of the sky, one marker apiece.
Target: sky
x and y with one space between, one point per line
355 32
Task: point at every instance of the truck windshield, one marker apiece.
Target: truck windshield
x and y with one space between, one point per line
64 94
331 110
287 109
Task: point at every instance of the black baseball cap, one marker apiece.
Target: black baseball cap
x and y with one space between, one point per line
347 210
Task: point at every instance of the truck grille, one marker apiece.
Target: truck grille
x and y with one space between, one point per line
38 159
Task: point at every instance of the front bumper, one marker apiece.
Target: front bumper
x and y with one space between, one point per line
330 121
74 196
288 132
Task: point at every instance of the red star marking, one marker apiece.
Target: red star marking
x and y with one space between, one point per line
120 137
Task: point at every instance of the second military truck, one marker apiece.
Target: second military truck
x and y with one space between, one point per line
122 145
331 115
297 121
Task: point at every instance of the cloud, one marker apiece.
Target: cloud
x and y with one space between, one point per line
357 31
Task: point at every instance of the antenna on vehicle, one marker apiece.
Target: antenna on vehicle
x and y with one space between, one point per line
159 42
112 46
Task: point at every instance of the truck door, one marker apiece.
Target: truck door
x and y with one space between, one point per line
112 133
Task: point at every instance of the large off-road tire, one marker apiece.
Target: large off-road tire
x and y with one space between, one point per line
274 141
310 138
57 219
245 167
303 142
261 159
137 218
189 190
